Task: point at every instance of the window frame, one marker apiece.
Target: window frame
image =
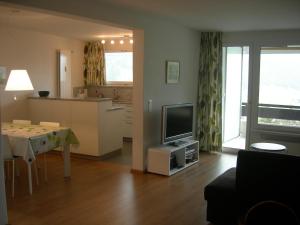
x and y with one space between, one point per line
118 83
266 128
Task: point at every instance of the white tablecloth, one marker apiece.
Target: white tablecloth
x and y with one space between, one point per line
29 140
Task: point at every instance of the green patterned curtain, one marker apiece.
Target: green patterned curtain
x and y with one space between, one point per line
209 107
94 64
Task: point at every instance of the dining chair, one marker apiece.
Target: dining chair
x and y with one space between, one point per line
47 124
8 157
50 124
27 122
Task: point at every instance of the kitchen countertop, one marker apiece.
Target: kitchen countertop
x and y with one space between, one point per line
88 99
127 102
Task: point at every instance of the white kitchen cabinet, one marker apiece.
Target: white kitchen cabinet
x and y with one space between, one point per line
127 119
95 123
110 127
84 117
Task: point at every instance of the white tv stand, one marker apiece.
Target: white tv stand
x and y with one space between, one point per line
168 159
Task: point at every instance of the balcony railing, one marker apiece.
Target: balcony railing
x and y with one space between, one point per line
281 115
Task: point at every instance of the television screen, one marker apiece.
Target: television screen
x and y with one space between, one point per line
177 122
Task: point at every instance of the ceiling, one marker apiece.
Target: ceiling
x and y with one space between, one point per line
222 15
57 25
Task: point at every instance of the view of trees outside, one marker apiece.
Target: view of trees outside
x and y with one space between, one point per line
118 66
280 83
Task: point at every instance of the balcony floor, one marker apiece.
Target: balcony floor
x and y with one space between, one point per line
235 143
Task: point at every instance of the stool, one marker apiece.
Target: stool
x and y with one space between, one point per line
268 147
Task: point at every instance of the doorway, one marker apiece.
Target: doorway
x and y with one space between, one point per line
65 82
235 96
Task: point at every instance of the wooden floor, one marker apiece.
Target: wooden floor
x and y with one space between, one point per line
107 193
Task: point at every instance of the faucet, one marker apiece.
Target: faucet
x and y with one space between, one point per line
115 94
99 94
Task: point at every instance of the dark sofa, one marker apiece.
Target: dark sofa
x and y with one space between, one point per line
258 176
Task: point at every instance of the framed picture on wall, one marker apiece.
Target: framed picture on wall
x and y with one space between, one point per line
2 74
172 72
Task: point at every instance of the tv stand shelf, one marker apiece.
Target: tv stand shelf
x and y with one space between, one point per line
169 159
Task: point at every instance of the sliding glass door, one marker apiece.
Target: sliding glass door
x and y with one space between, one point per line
235 96
267 108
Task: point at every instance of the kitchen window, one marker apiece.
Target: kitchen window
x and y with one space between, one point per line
119 67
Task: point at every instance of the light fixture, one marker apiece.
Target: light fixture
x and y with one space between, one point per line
112 42
121 42
103 42
18 80
131 41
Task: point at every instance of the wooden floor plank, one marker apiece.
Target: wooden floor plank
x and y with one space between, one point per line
107 193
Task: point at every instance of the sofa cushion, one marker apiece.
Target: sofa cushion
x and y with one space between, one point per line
223 186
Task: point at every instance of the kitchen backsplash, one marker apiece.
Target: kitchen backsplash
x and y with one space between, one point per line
119 93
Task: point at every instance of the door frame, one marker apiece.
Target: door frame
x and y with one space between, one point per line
249 111
138 150
260 128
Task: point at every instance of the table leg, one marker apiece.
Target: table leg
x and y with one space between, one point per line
67 161
29 177
36 172
45 167
13 179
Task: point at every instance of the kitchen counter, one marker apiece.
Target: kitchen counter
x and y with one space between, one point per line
122 102
87 99
95 121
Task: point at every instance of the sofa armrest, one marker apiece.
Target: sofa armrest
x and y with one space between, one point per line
221 199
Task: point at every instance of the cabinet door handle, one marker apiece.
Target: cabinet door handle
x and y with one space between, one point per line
113 109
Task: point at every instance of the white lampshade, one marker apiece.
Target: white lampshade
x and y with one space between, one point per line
18 80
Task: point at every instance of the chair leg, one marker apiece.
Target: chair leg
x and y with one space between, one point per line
17 168
45 167
13 179
29 177
36 173
37 164
7 170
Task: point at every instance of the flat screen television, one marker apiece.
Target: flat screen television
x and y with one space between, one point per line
177 122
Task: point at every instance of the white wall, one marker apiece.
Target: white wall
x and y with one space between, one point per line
36 52
255 40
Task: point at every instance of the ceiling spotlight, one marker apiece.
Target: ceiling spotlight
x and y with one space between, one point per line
103 42
112 42
131 41
121 42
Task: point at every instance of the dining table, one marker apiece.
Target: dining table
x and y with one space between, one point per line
27 141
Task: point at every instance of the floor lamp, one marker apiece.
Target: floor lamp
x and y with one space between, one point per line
18 80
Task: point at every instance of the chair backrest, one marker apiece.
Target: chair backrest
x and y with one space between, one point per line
50 124
26 122
6 148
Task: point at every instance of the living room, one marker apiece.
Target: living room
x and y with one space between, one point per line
168 40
